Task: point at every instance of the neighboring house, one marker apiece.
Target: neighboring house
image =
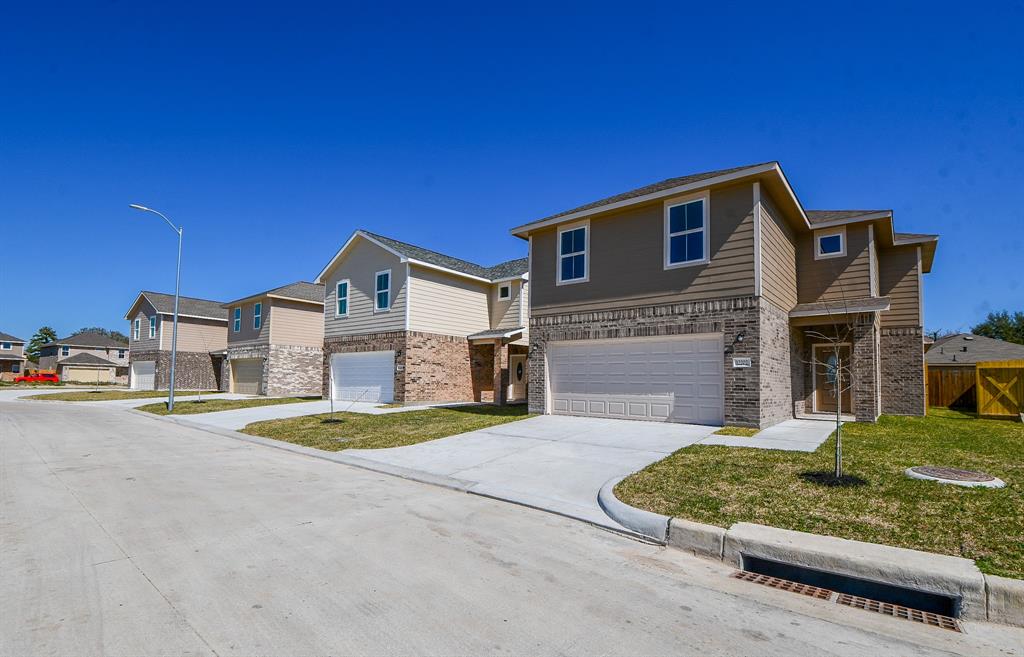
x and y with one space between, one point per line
202 339
12 356
403 323
951 360
703 299
86 357
275 341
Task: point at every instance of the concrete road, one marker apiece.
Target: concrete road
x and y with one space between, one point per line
125 535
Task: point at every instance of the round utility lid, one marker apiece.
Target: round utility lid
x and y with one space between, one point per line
954 476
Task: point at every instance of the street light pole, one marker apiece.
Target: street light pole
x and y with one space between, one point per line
177 286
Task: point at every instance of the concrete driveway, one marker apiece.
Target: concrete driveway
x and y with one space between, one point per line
552 462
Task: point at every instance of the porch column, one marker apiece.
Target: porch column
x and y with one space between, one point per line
865 369
500 372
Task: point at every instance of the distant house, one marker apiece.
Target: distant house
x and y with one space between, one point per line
951 362
202 339
86 357
275 341
12 356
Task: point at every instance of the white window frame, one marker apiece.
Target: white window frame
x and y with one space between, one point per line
65 350
376 292
121 353
505 292
585 252
6 346
236 319
137 327
152 326
704 196
257 315
348 294
819 234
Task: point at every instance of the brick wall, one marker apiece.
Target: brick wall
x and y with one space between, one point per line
248 352
193 371
902 361
293 370
482 364
437 368
865 370
776 365
385 341
726 316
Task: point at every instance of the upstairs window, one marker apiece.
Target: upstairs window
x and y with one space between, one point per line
382 298
120 353
257 316
572 254
152 326
65 351
136 328
686 233
236 323
342 294
504 291
830 243
6 346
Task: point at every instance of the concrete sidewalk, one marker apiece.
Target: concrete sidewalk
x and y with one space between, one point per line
551 462
790 435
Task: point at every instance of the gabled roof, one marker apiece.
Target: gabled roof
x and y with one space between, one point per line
187 306
86 359
7 337
419 255
967 349
828 216
88 339
298 291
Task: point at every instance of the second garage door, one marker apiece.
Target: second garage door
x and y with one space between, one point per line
366 376
86 375
246 375
674 379
144 375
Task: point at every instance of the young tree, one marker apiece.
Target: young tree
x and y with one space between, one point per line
1002 326
44 335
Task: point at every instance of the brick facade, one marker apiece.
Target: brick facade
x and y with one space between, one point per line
194 370
779 350
247 352
345 344
902 370
730 317
293 370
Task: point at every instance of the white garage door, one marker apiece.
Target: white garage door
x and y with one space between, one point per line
144 375
246 375
674 379
367 376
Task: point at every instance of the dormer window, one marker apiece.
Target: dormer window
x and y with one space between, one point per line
830 243
504 291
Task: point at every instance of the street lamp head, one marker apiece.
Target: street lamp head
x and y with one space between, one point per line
139 207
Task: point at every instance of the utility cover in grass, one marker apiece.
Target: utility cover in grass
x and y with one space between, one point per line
955 476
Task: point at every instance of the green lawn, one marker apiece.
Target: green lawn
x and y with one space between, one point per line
362 431
724 485
211 405
745 432
106 395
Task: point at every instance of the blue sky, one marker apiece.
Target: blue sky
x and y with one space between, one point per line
282 128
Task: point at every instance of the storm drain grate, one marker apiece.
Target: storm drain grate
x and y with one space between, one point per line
897 611
784 584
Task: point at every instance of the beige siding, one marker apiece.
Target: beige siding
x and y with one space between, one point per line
15 350
297 323
143 312
898 280
505 313
778 256
360 265
834 278
198 335
447 304
247 333
627 259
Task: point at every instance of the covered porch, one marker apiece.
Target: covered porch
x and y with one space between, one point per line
837 361
500 369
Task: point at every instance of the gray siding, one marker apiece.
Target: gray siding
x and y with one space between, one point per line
143 312
627 259
778 256
833 279
359 266
898 280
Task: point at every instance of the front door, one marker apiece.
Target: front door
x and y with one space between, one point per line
517 376
832 383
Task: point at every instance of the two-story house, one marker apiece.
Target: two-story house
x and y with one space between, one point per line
12 357
202 339
717 298
407 324
275 341
86 357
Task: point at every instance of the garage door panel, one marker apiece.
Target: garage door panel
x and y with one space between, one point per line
367 376
675 379
247 375
143 375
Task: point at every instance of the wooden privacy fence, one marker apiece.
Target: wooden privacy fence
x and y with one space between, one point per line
1000 388
951 386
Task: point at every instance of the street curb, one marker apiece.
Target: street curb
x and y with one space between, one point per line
651 525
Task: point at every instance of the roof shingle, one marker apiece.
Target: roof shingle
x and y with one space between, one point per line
507 269
7 337
88 339
300 290
825 216
164 304
84 358
967 349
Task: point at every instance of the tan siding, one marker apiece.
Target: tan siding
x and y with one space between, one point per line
296 323
505 313
834 278
627 259
446 304
15 350
898 280
247 333
198 335
359 266
778 256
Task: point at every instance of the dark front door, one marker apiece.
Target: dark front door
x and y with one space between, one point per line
832 378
